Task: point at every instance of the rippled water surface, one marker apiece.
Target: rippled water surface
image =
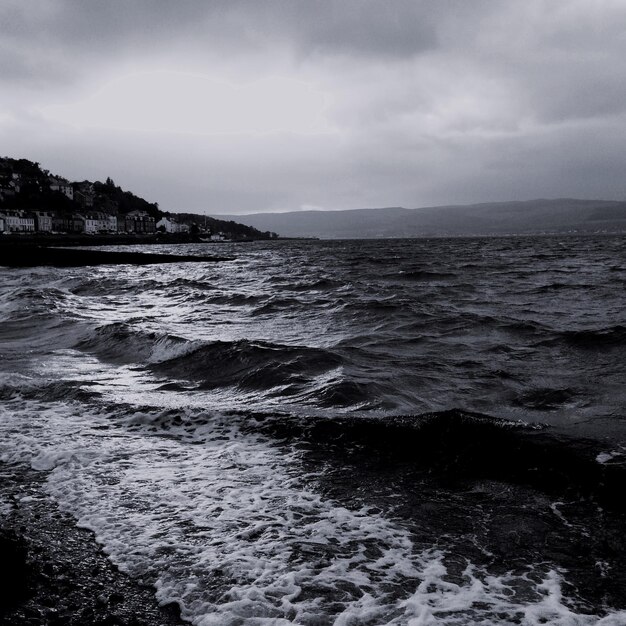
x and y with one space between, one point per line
358 432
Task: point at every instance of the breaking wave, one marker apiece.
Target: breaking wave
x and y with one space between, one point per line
211 364
234 533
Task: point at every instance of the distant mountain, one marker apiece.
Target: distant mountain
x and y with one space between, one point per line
496 218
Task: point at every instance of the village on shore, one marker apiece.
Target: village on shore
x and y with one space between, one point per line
34 201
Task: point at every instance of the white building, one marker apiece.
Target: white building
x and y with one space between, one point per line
166 225
19 222
91 224
43 221
170 226
97 223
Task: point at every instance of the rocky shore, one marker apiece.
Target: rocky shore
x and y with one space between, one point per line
54 573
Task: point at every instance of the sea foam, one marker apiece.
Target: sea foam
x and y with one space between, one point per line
230 529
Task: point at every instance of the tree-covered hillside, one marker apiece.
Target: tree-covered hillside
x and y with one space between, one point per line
109 195
25 186
237 230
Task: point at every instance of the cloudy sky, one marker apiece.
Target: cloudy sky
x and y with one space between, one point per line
241 106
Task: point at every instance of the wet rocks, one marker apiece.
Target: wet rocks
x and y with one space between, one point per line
54 573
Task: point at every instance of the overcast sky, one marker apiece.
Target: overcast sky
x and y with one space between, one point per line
246 106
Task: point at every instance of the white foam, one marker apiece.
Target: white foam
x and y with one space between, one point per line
5 506
227 528
607 457
166 347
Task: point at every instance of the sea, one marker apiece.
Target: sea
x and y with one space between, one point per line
366 432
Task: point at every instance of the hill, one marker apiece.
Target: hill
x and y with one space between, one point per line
25 188
498 218
236 230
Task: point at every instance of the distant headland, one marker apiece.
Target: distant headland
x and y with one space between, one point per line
532 217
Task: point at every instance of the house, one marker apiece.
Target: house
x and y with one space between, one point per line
68 223
2 224
62 185
59 223
166 225
43 221
84 194
97 223
111 223
129 224
76 223
169 225
9 187
19 222
91 224
139 222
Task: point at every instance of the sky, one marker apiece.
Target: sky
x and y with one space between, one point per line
243 106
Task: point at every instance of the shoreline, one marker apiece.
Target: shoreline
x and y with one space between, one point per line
56 573
68 240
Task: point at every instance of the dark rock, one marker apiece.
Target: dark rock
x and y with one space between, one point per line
14 570
116 597
53 573
32 256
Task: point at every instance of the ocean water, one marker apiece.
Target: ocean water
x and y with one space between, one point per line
354 433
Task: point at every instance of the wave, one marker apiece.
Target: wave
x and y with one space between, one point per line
250 365
348 393
211 364
321 284
227 530
603 337
464 446
100 286
38 329
30 302
556 286
233 299
455 446
109 286
545 398
30 389
365 305
276 305
422 275
607 337
121 343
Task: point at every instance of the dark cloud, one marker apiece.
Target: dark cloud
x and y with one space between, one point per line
97 31
400 29
426 102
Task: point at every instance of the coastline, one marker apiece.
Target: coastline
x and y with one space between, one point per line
56 573
130 239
